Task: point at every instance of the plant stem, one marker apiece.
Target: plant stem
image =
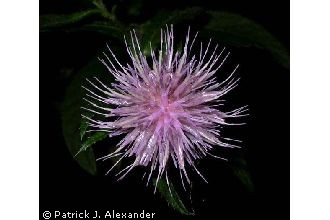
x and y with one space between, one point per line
104 11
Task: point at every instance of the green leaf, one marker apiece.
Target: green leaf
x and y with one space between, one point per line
169 193
233 29
109 29
84 126
239 167
90 140
73 130
96 137
151 29
55 20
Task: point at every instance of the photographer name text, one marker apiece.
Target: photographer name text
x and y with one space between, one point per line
111 214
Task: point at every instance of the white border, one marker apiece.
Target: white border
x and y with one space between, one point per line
19 110
310 109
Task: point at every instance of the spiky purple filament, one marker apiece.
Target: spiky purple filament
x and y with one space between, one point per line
167 110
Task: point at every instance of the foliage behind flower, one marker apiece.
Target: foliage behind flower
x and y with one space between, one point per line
169 110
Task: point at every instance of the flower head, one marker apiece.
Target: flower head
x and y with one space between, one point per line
168 111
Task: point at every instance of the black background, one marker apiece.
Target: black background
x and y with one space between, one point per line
264 86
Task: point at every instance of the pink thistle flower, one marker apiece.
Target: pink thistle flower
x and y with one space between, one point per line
167 110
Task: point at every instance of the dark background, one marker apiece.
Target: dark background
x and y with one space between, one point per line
264 86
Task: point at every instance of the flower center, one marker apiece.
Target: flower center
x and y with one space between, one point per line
164 109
